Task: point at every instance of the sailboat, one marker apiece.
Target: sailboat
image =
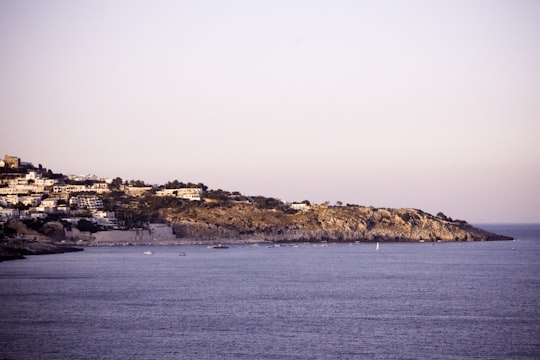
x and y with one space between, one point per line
377 246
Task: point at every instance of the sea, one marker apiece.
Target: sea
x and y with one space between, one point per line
474 300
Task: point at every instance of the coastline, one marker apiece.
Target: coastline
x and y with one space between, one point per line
18 248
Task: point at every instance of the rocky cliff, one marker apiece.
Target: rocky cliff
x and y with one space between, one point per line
247 222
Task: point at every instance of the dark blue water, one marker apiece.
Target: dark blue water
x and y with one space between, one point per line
407 301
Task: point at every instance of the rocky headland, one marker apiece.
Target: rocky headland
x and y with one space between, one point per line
249 223
43 212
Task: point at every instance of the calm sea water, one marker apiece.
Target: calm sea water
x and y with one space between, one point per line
406 301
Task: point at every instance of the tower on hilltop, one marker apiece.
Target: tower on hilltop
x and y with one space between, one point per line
12 162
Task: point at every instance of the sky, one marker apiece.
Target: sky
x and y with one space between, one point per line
422 104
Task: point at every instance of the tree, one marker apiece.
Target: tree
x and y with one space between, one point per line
21 206
175 184
441 216
7 231
268 203
116 183
85 225
137 183
220 195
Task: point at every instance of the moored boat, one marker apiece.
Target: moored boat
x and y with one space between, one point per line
220 246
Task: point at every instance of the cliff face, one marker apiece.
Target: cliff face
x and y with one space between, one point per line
321 223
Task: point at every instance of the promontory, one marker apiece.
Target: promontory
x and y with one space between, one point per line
39 205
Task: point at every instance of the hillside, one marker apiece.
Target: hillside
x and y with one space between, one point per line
319 223
38 203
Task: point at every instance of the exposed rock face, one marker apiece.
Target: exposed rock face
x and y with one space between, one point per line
320 223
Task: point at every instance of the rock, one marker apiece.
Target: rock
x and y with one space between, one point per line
11 249
320 223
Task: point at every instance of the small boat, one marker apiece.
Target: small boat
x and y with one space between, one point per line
220 246
182 254
148 252
377 246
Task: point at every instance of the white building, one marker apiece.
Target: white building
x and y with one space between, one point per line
49 202
86 202
6 214
82 177
64 209
98 187
69 188
22 189
194 194
45 209
300 206
47 206
105 218
14 199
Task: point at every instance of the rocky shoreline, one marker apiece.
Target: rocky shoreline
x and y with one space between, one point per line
248 224
14 249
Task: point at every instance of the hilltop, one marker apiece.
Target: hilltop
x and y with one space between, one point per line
53 207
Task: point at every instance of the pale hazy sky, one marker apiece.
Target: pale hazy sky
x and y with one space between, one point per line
426 104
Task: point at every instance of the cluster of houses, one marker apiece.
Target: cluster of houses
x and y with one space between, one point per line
27 192
30 193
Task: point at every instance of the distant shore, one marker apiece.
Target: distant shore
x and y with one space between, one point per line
159 235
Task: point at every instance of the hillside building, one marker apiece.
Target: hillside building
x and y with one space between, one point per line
193 194
86 202
12 162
